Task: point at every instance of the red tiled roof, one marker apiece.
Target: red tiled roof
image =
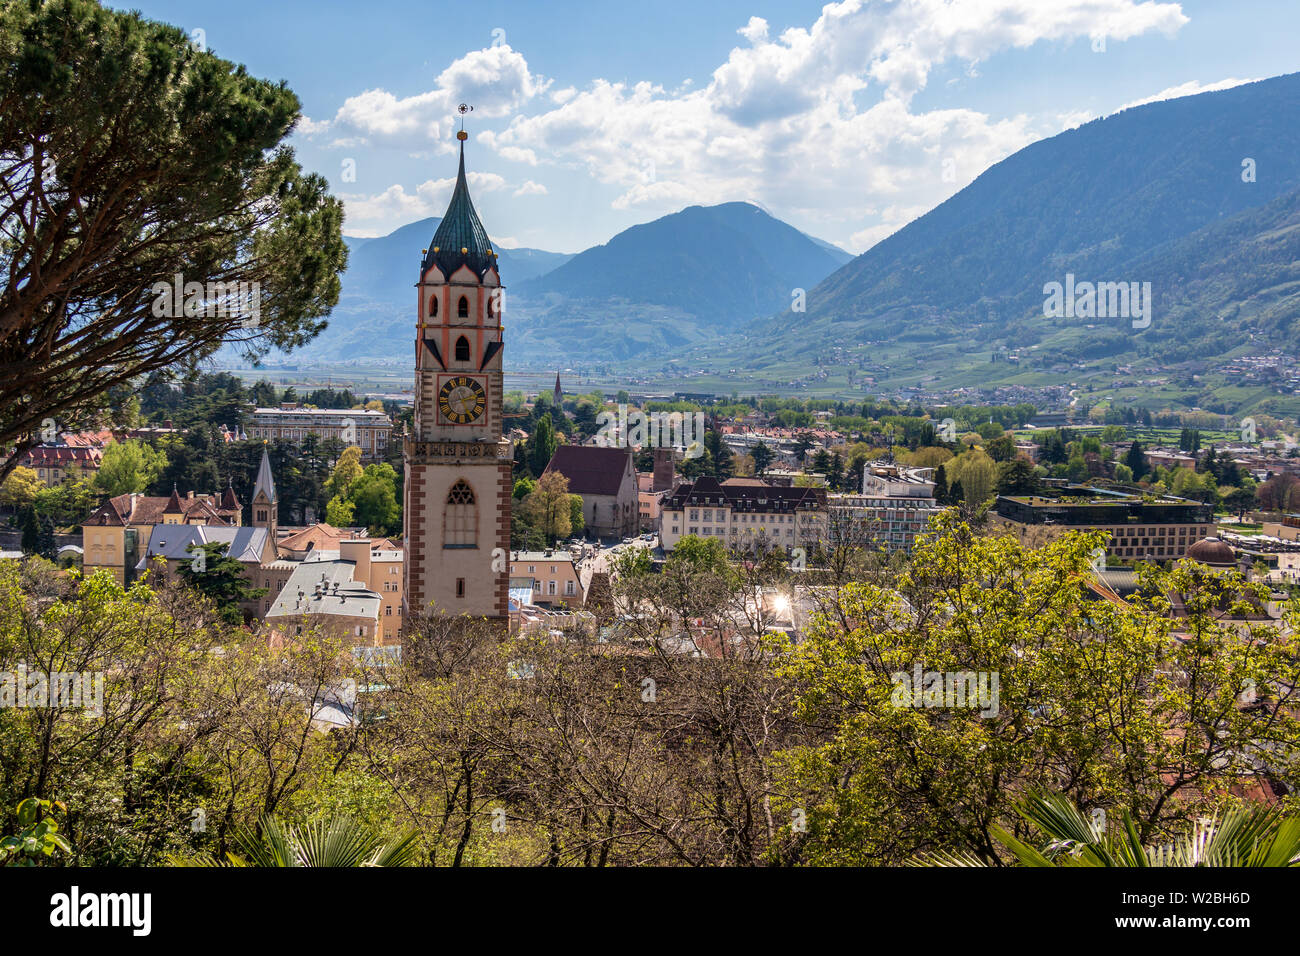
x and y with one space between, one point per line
43 456
139 510
95 439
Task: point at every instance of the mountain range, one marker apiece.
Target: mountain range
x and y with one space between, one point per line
673 282
1198 196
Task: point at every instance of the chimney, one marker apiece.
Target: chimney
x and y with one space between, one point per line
357 550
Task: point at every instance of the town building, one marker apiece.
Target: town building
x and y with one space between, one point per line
55 464
1140 526
606 480
370 431
552 578
325 594
894 508
171 545
458 466
114 537
744 515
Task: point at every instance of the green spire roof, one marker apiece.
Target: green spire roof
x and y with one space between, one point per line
460 229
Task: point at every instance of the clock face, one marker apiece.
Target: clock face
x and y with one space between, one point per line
461 400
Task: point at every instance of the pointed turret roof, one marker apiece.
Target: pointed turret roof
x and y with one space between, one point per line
174 506
265 483
461 238
228 499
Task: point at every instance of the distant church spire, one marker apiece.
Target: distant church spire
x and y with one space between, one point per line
559 395
265 509
265 485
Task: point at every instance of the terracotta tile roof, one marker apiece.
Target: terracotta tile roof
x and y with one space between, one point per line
43 456
314 538
136 510
94 439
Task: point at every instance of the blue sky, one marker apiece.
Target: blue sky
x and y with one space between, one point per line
847 120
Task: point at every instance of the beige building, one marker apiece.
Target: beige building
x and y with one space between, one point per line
744 515
649 501
1288 529
55 464
326 594
553 576
115 535
170 546
369 430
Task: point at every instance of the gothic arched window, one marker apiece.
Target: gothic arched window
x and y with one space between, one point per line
433 307
462 310
462 349
460 517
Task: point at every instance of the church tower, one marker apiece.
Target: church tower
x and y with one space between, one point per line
458 466
265 503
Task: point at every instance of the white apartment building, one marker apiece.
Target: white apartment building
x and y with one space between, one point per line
369 431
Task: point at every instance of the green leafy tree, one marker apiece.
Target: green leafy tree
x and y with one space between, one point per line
67 504
39 840
577 520
762 457
1100 700
721 456
549 507
1136 460
129 466
375 497
30 524
1016 477
346 471
21 488
523 488
340 512
1000 449
106 198
699 555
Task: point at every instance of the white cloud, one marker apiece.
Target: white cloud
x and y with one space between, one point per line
310 127
819 119
495 81
1190 88
379 213
817 122
530 188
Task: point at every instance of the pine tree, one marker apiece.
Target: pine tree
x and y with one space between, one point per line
45 543
31 531
1136 459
